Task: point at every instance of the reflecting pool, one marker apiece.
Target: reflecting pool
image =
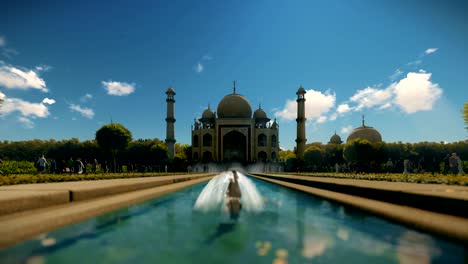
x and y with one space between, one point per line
289 227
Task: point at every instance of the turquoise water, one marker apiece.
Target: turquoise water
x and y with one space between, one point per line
293 227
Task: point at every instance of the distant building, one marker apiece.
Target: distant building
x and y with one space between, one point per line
335 139
234 134
365 132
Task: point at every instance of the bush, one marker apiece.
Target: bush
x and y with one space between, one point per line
17 167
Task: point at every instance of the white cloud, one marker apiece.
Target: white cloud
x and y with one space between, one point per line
48 101
346 129
207 57
370 97
86 112
430 50
343 108
199 67
43 68
316 105
118 88
11 105
27 123
416 92
86 97
413 93
14 78
333 116
321 119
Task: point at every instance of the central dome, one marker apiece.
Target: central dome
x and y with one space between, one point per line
234 106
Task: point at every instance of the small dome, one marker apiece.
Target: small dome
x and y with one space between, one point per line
234 106
365 132
335 139
301 90
259 113
170 91
208 114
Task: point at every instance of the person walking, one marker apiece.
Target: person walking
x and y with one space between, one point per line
453 163
41 164
94 165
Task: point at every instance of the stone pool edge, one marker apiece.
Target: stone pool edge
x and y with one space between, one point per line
24 225
453 228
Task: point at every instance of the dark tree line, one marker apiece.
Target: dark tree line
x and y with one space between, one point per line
139 155
364 156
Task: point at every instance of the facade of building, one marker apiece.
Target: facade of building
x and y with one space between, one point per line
234 134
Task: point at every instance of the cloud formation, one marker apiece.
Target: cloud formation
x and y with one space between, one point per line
48 101
346 129
118 88
25 108
317 104
86 112
370 97
26 122
413 93
14 78
416 92
430 50
200 67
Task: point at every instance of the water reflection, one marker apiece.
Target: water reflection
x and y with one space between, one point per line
416 248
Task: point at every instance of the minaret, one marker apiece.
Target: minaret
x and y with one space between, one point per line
301 138
170 120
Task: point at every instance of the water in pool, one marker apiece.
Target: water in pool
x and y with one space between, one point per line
274 225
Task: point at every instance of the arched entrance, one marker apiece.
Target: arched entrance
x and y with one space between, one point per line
234 147
262 156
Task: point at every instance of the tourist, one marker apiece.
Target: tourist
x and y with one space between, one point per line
41 164
389 165
79 166
406 166
1 162
53 166
85 165
71 162
453 163
460 166
94 165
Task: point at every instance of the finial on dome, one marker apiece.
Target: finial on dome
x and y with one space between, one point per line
363 116
208 105
234 87
259 106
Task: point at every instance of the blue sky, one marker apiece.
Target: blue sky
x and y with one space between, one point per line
69 67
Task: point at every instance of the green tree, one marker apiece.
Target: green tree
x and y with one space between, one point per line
313 158
360 152
112 138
